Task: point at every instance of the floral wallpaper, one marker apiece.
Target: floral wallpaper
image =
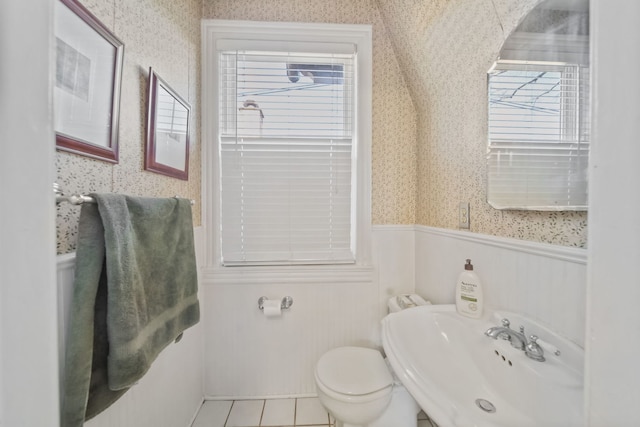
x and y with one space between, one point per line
429 106
445 48
162 34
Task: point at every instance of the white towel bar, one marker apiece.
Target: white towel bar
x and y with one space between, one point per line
78 199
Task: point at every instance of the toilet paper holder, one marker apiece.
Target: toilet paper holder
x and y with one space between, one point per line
286 302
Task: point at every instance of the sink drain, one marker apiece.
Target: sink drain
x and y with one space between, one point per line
485 405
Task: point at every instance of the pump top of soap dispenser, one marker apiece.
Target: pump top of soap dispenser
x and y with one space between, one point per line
468 265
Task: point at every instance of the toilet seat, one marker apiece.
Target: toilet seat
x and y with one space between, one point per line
354 399
354 374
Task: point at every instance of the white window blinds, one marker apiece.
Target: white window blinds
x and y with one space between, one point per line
286 157
538 136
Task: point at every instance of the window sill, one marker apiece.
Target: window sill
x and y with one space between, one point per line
287 274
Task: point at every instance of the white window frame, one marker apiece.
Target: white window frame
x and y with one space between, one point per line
283 36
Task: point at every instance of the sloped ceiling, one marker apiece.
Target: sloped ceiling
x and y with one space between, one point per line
442 40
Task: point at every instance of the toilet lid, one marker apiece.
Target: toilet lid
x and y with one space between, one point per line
353 371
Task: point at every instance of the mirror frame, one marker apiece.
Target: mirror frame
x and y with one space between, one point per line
151 163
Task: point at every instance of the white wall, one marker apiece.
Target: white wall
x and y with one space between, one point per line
613 348
170 394
544 282
248 355
28 356
394 260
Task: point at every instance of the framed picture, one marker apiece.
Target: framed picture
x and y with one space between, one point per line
87 83
167 150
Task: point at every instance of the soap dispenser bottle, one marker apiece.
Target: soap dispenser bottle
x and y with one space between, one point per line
469 300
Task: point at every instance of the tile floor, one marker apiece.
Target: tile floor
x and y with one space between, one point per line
306 412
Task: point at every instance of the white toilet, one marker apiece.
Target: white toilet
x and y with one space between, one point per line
358 387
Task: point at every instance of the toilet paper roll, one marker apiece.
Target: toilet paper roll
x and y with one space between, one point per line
271 308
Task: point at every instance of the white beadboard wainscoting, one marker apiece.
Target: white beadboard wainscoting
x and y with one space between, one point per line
545 282
250 356
170 394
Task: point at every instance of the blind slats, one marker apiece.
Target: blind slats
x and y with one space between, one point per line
286 157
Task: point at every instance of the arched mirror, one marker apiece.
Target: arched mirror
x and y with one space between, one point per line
539 127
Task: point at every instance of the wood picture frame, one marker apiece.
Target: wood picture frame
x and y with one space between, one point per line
168 115
87 83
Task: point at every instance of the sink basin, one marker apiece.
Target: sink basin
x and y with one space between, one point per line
462 378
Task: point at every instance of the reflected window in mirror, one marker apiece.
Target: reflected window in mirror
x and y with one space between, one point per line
539 127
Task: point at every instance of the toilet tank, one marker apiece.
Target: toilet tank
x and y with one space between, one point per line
403 301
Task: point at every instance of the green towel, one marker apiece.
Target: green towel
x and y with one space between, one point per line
135 292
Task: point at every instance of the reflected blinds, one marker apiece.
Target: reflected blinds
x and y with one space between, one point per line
286 156
539 136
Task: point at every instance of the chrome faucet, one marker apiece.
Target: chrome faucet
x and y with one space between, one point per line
517 340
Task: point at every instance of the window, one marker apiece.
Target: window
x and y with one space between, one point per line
287 129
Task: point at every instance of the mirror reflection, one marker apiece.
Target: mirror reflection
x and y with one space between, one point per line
171 130
538 93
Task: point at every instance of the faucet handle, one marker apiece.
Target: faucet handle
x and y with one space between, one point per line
533 350
505 322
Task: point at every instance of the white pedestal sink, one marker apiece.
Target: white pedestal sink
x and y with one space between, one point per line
463 378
